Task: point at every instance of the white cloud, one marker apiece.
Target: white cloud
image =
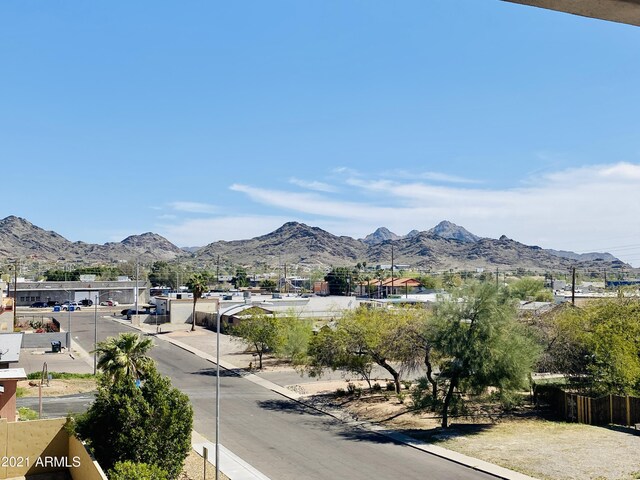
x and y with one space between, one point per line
193 207
313 185
201 232
581 209
312 203
433 176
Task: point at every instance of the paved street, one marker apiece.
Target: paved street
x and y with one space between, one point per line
56 407
280 437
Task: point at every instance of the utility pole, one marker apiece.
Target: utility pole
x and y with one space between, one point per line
573 285
218 271
15 294
392 269
137 265
286 287
497 274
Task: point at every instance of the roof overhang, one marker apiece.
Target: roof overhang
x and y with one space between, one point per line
622 11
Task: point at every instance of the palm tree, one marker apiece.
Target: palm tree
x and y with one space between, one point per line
197 284
125 356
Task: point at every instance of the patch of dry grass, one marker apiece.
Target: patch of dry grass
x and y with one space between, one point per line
58 387
194 469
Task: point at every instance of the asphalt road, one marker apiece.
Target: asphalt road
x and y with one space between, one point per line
56 407
281 438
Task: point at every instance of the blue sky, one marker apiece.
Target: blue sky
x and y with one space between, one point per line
210 120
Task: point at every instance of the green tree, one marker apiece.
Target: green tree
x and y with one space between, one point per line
528 288
364 337
428 282
197 283
129 470
163 274
125 356
327 350
609 332
268 285
339 280
240 280
150 423
61 275
295 335
480 344
261 331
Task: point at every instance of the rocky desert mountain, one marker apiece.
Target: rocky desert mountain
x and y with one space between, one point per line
443 247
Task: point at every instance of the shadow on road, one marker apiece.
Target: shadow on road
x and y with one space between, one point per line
234 372
288 406
433 435
362 435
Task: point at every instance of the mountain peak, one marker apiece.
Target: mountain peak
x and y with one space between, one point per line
382 234
451 231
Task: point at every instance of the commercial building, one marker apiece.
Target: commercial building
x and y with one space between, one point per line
122 291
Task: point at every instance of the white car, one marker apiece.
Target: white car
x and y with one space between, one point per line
74 306
109 303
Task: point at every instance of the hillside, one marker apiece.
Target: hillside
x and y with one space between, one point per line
445 246
21 239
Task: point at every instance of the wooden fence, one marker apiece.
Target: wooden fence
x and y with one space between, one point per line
593 411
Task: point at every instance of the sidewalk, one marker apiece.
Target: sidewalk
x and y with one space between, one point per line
202 343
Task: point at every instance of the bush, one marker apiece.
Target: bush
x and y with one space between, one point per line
25 413
391 387
376 387
340 392
147 424
128 470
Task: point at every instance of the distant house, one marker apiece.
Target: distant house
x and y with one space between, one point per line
234 315
321 288
9 378
10 344
389 287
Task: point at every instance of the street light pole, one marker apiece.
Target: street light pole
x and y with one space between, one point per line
218 392
69 316
95 334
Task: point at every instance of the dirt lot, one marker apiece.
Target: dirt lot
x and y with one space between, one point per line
540 448
57 388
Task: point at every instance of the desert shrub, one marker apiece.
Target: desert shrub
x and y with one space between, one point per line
128 470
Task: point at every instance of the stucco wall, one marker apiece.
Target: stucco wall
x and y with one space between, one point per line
43 446
33 444
181 311
8 400
87 468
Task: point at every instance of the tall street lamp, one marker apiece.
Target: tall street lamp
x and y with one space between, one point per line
95 334
95 328
218 317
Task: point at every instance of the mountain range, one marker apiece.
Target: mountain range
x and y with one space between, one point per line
445 246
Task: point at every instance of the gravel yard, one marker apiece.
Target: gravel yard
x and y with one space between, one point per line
540 448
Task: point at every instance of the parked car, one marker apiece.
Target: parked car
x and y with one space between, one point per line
39 305
86 302
73 305
109 303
